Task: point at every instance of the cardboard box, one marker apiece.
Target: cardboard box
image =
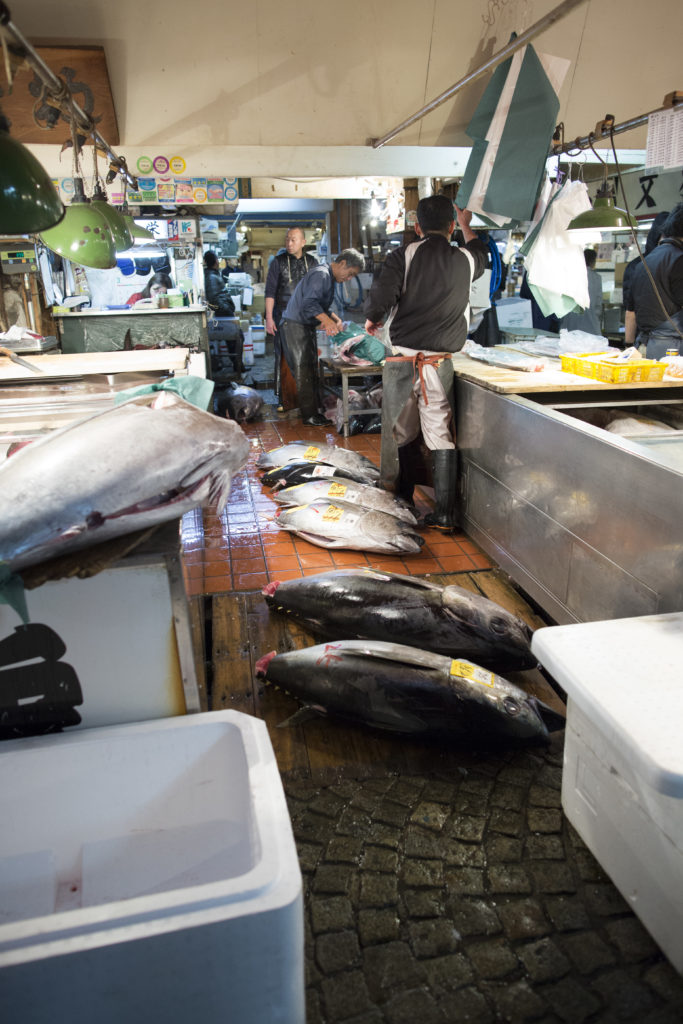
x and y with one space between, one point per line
149 872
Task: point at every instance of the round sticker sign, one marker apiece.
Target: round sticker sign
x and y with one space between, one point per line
177 164
144 164
200 195
160 164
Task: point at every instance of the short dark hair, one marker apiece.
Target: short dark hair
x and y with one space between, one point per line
351 257
210 259
673 225
435 213
590 256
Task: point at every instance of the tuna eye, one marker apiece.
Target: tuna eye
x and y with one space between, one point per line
511 705
498 625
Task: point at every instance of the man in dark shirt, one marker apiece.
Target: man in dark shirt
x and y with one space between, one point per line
284 274
307 310
423 290
654 318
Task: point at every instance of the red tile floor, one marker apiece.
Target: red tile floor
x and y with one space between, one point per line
242 549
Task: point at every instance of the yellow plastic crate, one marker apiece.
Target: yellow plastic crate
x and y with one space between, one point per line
613 373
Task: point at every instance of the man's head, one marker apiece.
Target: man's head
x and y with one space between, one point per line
435 215
590 256
210 260
673 225
294 242
347 264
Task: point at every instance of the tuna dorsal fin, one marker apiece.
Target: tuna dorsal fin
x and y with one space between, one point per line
408 581
304 714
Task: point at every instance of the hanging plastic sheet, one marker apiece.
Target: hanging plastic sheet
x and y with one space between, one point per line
555 264
512 128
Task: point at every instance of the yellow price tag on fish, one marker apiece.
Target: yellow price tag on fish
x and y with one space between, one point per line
311 453
466 670
332 513
336 491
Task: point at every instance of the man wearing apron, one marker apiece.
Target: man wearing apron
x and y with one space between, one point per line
284 274
423 293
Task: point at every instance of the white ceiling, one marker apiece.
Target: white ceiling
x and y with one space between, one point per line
267 81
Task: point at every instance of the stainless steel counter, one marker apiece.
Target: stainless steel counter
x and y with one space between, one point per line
590 524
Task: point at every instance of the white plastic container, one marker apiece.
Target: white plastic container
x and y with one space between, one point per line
622 785
258 337
248 348
148 872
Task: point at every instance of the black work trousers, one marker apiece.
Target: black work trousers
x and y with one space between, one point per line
300 349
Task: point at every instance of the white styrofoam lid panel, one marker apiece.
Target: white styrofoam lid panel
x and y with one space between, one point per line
627 676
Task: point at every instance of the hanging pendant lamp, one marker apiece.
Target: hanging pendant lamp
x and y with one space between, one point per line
83 236
139 233
605 215
28 200
117 224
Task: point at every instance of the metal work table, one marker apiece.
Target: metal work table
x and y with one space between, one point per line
329 368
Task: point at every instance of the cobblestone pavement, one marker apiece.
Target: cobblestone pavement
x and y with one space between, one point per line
437 899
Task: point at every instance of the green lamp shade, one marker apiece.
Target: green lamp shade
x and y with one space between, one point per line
28 200
604 216
83 237
117 225
142 234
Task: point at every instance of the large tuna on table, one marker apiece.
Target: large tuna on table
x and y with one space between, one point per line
146 461
375 605
341 525
406 690
344 458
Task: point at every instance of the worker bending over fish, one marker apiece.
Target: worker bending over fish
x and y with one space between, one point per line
422 298
308 310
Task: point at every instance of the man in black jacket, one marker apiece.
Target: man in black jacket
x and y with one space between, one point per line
423 292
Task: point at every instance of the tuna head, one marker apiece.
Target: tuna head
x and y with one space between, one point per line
508 634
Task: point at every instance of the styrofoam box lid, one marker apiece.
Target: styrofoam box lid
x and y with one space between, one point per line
627 676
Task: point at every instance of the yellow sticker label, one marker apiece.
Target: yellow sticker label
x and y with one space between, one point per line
466 670
336 491
311 452
332 512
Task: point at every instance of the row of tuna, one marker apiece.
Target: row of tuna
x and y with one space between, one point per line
329 497
407 655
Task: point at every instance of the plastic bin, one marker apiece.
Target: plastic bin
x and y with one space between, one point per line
622 784
613 373
148 872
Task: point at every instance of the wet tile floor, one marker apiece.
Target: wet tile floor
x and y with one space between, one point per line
242 549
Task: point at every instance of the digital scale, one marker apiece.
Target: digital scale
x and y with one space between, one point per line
18 259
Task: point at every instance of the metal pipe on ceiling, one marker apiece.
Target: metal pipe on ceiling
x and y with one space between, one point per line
60 92
606 128
549 19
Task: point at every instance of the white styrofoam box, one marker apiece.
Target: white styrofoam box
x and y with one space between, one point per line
148 871
622 785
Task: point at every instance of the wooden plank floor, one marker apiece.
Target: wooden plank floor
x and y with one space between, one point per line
324 750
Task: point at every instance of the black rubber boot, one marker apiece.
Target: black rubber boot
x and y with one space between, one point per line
405 484
445 472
